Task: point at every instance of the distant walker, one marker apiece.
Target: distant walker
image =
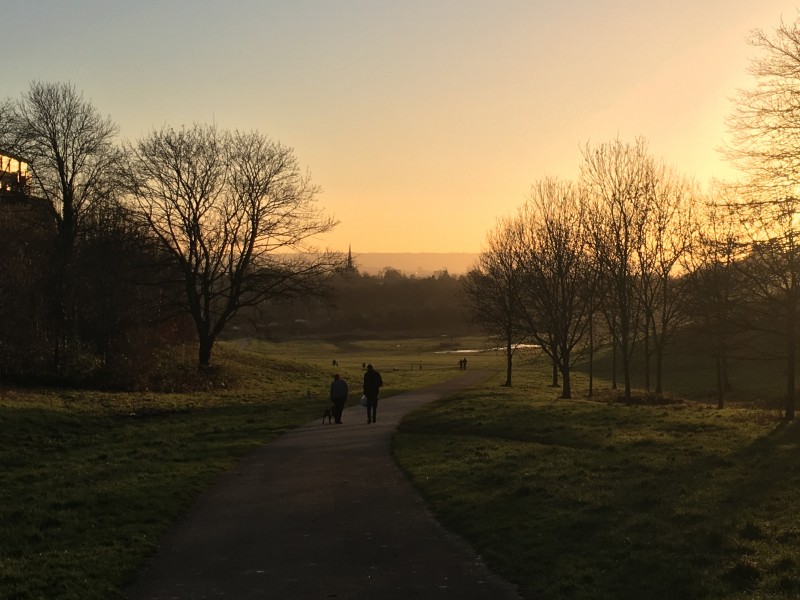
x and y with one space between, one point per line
339 391
372 385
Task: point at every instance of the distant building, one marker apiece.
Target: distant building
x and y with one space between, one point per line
14 177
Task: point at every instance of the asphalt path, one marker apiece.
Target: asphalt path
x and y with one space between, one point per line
321 512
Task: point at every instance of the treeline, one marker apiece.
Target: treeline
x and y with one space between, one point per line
631 253
390 304
112 251
633 259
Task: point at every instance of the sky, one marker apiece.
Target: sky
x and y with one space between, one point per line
422 121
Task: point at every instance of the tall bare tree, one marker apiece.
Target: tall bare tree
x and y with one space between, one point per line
71 151
619 180
670 231
72 155
557 272
236 214
714 287
771 270
494 287
765 129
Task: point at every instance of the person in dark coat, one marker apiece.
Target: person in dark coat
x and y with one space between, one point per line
339 391
372 384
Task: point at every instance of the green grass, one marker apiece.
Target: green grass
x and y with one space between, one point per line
692 375
90 481
575 499
570 499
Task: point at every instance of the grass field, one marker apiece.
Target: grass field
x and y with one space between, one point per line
570 499
90 481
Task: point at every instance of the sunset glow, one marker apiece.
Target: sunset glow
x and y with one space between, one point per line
422 122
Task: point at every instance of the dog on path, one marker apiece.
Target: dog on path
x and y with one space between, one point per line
328 414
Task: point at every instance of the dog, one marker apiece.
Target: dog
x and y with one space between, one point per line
328 414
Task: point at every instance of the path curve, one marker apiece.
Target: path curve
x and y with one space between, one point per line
322 512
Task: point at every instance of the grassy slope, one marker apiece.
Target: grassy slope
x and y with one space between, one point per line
90 481
570 499
576 499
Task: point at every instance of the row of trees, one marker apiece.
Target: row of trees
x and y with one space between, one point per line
633 252
123 240
607 246
389 304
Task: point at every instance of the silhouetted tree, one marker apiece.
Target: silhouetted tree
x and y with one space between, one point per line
223 205
714 290
557 273
494 287
129 292
670 229
72 156
764 145
619 180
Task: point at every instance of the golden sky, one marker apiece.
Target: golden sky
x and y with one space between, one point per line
423 121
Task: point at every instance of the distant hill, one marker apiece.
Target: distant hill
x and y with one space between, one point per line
415 263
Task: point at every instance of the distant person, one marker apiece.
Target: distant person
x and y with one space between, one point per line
372 384
465 364
339 391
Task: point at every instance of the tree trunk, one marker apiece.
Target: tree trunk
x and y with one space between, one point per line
791 360
509 354
647 362
206 345
720 382
626 369
725 378
591 353
659 368
555 373
566 387
614 363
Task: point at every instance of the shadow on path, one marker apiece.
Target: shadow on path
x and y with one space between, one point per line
322 512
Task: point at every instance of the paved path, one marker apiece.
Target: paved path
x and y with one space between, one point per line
322 512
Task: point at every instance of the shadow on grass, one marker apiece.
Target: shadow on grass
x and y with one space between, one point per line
85 496
582 500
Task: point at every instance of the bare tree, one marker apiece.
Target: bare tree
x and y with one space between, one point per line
713 285
70 148
6 134
72 155
771 270
493 289
765 120
557 273
236 213
619 180
765 129
670 229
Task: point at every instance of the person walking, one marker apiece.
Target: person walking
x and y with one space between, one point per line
372 384
339 391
